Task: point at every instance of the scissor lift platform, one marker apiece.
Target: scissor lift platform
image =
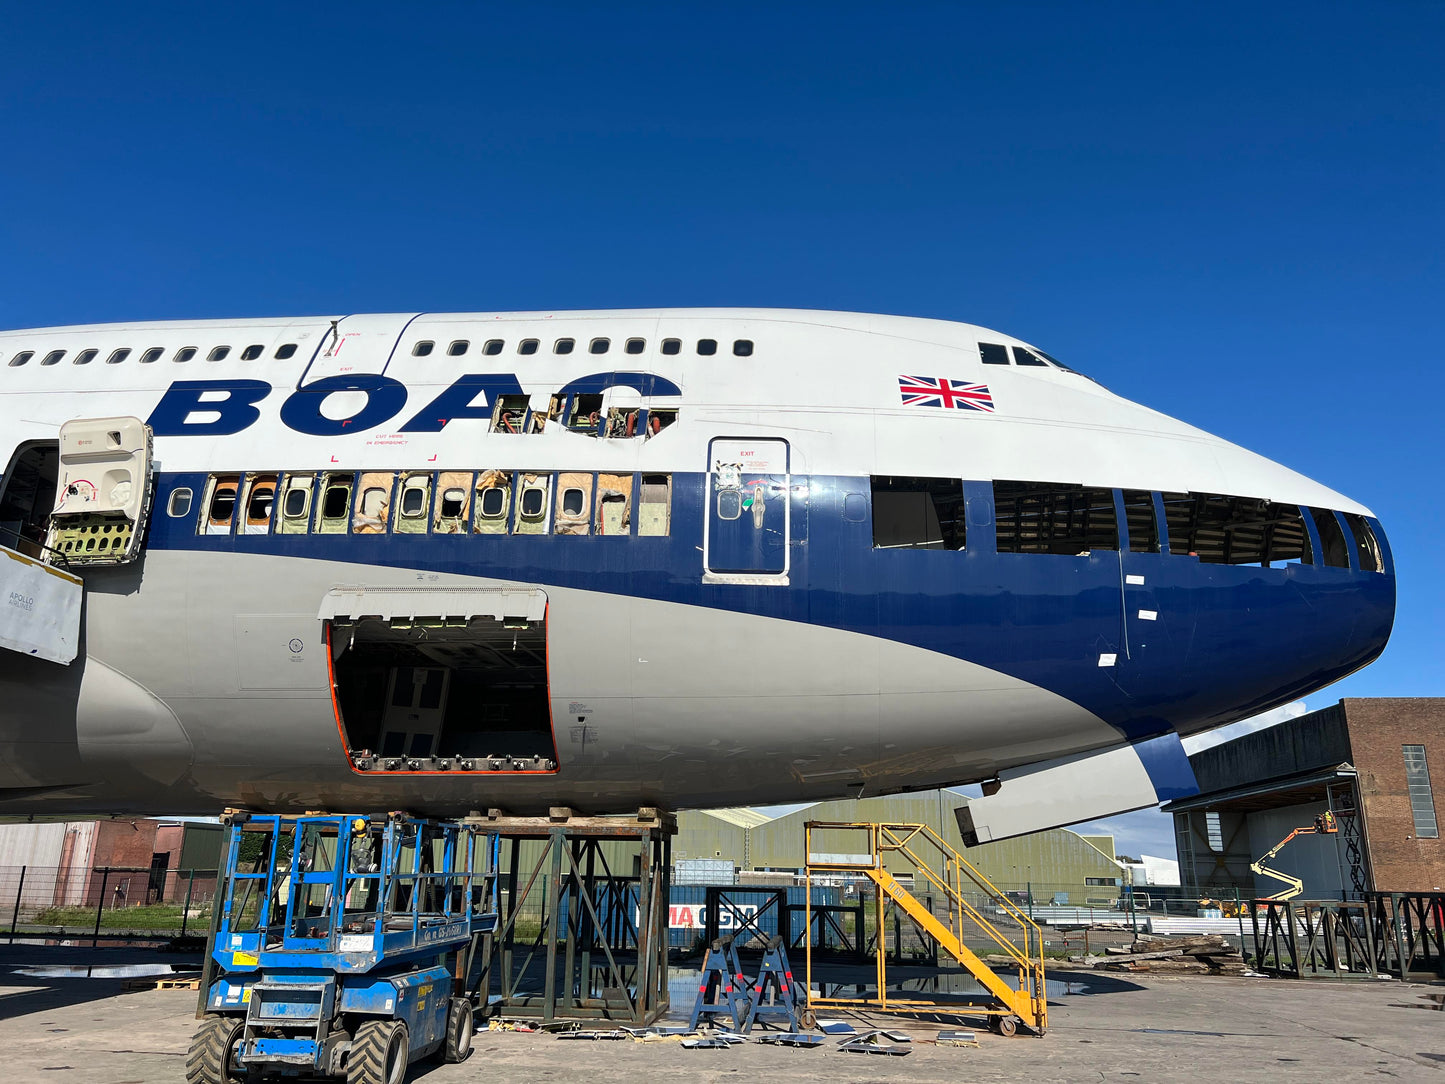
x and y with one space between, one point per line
343 945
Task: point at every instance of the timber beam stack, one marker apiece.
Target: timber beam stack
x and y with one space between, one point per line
1205 954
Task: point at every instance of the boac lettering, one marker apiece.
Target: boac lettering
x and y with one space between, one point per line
218 408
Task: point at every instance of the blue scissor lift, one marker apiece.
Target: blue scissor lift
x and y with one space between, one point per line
345 944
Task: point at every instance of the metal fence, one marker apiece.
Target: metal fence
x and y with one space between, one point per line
132 903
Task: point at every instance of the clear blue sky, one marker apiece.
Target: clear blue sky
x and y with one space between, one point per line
1232 213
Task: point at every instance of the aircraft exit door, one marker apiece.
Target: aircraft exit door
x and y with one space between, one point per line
749 515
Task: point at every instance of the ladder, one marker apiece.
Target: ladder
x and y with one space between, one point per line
1009 1000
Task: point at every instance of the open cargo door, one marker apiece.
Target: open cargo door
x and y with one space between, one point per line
104 493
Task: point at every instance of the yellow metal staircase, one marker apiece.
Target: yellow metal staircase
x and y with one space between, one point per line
1022 1000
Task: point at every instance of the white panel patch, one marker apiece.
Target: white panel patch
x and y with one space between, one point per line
279 652
39 608
1148 615
1138 581
1108 660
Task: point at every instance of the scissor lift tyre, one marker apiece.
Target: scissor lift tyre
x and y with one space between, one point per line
209 1059
460 1026
378 1053
1007 1026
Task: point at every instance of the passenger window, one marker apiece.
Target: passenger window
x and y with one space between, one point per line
260 495
1332 538
373 504
855 508
180 503
1054 518
220 504
658 420
729 503
563 346
1221 530
707 347
585 411
454 490
85 357
510 414
185 353
153 354
743 348
218 354
494 489
1367 546
599 346
335 507
492 348
574 503
413 504
22 357
532 495
527 346
917 513
423 348
458 348
614 504
284 351
53 357
636 346
671 346
252 352
654 505
621 422
296 504
993 353
1143 524
1023 356
117 356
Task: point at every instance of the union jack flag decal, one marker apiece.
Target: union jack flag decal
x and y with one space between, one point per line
937 391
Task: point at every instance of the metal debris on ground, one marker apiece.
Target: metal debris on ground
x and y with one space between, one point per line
790 1038
836 1027
875 1042
956 1038
577 1033
705 1044
509 1025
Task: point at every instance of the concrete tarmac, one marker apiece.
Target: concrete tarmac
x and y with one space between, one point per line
1102 1028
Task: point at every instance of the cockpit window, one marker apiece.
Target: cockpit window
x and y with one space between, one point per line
1367 546
993 353
1025 356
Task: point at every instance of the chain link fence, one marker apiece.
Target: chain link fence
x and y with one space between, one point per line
130 903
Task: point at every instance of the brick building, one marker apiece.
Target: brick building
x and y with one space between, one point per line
1367 761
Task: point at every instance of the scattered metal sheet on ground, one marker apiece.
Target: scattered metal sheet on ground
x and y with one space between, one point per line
802 1039
956 1038
836 1027
617 1033
705 1044
897 1036
874 1042
730 1036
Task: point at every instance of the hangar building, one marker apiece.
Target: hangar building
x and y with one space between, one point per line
1367 761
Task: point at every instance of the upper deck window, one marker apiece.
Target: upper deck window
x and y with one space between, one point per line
527 346
458 348
218 354
152 354
492 347
22 357
671 346
423 348
52 358
563 346
117 357
993 353
85 357
636 346
1054 517
707 347
743 348
917 513
252 352
284 351
185 353
599 346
